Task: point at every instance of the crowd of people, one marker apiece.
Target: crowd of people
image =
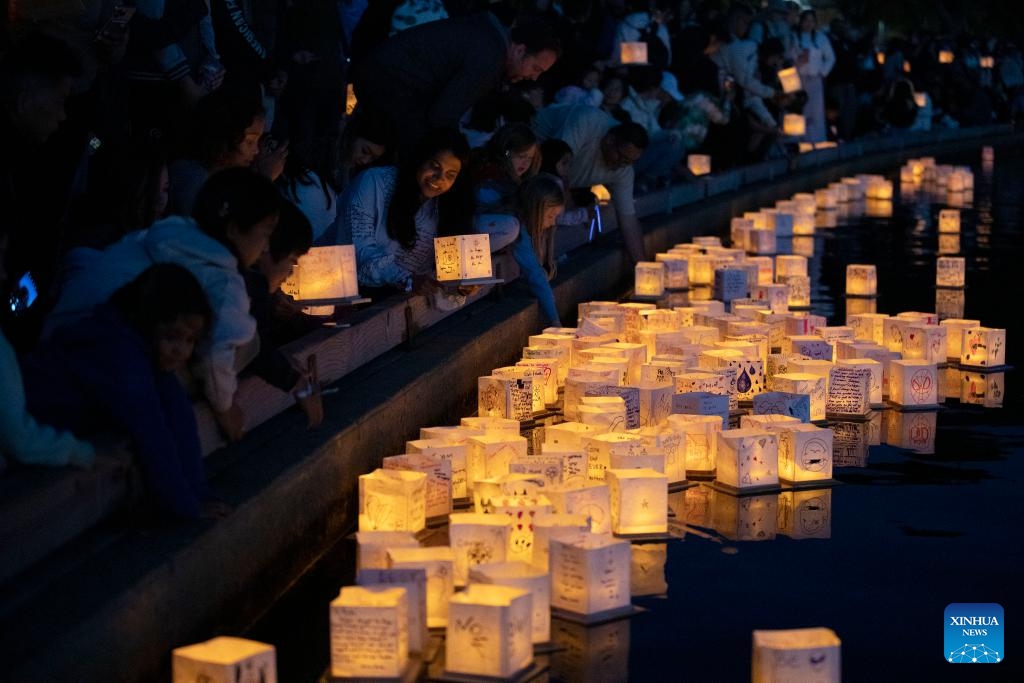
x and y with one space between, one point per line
166 164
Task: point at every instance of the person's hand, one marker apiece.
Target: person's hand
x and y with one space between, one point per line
270 162
231 422
214 509
310 400
468 290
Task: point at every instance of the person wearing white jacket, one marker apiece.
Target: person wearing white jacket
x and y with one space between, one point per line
235 214
814 60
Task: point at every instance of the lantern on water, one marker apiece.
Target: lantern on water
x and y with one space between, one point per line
372 547
875 370
826 198
699 164
803 654
590 574
438 500
983 347
633 52
225 660
677 270
788 264
790 80
913 383
445 450
414 581
489 631
762 241
590 500
491 454
438 563
747 458
554 525
783 404
803 383
950 271
949 220
477 538
799 290
805 452
699 432
794 125
949 243
392 500
507 397
324 274
650 278
600 448
525 577
926 342
639 501
701 269
369 632
954 337
946 56
462 258
861 280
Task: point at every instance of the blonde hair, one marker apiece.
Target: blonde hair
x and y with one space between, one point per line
540 193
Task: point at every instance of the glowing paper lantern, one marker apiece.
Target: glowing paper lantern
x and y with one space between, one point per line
826 198
508 397
699 164
463 258
633 52
438 563
805 654
803 383
762 241
730 283
790 80
946 57
445 451
950 271
524 577
913 383
590 574
392 500
477 538
799 290
747 458
568 435
777 296
701 269
372 547
983 347
491 455
489 631
794 125
955 334
805 452
554 525
861 280
949 220
650 278
590 500
601 447
414 581
925 342
225 660
639 501
811 346
700 438
324 274
783 404
438 499
788 264
875 370
370 632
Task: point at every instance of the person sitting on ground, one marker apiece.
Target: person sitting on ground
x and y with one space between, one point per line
235 214
115 370
279 322
604 152
541 202
510 159
392 214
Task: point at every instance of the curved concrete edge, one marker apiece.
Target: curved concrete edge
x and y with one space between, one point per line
118 613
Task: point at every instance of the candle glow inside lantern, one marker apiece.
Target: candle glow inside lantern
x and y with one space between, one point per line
950 271
525 577
489 631
554 525
799 290
633 52
861 280
372 547
925 342
804 654
438 563
788 264
805 452
590 500
762 241
803 383
946 56
949 220
790 80
438 499
507 397
677 270
225 660
747 458
639 501
444 450
913 383
875 370
650 278
784 404
370 632
477 538
600 449
414 581
983 347
700 438
590 574
463 258
794 125
701 269
392 500
699 164
955 334
324 274
490 455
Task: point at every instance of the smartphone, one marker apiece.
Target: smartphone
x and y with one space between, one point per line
118 21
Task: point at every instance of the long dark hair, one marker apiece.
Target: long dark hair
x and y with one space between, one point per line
162 293
235 195
454 207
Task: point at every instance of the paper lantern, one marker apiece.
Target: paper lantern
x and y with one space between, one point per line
776 295
438 497
790 80
605 413
799 290
794 125
392 500
545 376
949 271
550 468
699 164
913 383
747 459
781 221
601 447
811 346
677 270
983 388
442 450
762 241
983 347
745 518
803 383
949 220
554 525
861 280
946 57
765 420
639 501
477 538
785 404
804 654
650 278
590 500
438 563
520 511
805 452
489 631
949 243
701 269
507 397
805 514
324 275
590 574
490 455
949 302
370 632
730 283
633 52
225 660
874 368
955 332
372 547
699 433
568 434
925 342
414 581
463 258
787 264
524 577
849 391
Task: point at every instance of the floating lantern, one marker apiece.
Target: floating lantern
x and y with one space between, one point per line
954 337
489 631
803 383
805 514
803 654
555 525
372 547
490 455
875 370
607 414
677 270
538 382
950 271
861 280
639 501
913 383
702 403
650 278
701 269
438 499
849 391
764 421
946 56
949 243
600 448
949 220
699 164
983 347
730 283
762 241
477 538
804 224
655 402
790 80
633 52
780 403
369 632
826 198
463 258
545 376
782 221
392 500
590 574
438 563
788 264
225 660
324 275
799 290
524 577
794 125
443 450
747 458
700 438
414 581
590 500
925 342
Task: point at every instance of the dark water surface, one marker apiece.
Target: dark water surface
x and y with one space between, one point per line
929 512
